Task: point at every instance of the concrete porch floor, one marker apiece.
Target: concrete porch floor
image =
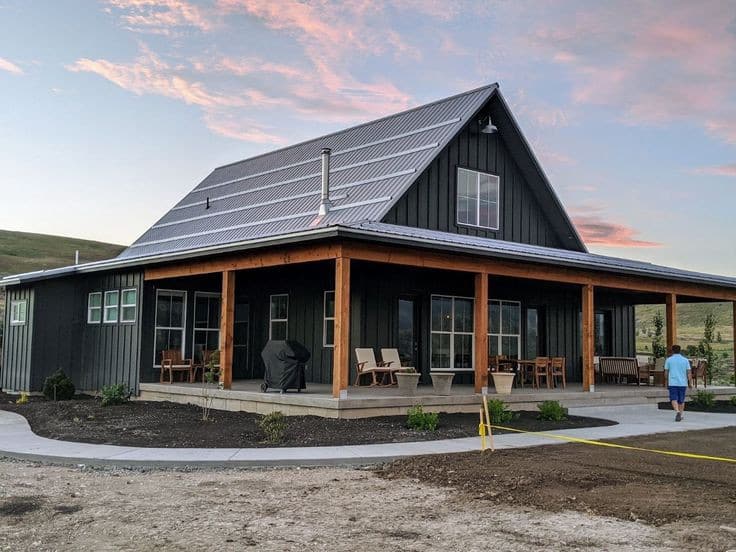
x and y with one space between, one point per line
362 402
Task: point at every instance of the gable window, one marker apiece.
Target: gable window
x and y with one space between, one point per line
94 308
170 318
328 329
110 311
452 333
18 312
129 305
477 199
504 328
279 317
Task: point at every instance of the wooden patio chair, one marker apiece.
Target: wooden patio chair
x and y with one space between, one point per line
541 370
391 359
557 370
202 367
700 371
172 361
658 372
366 365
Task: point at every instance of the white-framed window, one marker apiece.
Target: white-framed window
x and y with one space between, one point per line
451 344
111 307
478 199
171 308
328 326
279 317
94 307
206 333
18 312
504 328
129 305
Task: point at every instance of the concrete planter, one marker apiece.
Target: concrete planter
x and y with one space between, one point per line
503 382
407 381
442 382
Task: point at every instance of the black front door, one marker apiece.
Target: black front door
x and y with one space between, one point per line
408 343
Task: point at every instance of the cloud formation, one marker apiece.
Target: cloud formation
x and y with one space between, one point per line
161 16
10 67
718 170
596 229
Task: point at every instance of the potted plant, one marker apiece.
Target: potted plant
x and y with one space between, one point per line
503 381
408 379
442 382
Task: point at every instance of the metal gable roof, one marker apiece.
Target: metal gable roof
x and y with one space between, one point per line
372 165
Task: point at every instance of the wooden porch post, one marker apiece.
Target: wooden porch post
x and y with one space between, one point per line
734 342
341 351
588 344
671 316
227 313
481 332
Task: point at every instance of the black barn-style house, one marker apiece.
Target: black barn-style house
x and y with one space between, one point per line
434 231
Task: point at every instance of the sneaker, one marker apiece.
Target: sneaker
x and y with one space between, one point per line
678 418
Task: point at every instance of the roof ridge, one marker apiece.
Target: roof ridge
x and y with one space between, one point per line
334 133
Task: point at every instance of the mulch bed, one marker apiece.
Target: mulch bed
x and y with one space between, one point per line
164 424
625 484
720 407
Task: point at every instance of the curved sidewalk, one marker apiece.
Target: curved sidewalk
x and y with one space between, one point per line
18 441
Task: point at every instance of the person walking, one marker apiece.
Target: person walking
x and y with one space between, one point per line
679 379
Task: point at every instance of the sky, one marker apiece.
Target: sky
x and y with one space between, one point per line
111 111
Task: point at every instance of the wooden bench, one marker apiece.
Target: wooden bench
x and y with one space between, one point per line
622 367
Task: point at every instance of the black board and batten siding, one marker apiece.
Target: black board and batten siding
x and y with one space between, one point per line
431 201
17 343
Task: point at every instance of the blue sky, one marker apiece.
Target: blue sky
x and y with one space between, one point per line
113 110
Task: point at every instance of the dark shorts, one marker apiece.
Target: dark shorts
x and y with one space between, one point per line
677 394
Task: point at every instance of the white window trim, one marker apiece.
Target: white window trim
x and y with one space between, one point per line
499 336
452 333
183 328
194 324
326 319
16 321
272 320
123 306
477 214
106 307
90 308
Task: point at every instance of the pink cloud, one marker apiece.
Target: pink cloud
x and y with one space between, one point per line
231 126
161 16
10 67
597 229
717 170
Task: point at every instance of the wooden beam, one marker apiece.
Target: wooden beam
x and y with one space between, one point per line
243 261
588 335
671 320
734 342
341 351
227 315
481 331
532 271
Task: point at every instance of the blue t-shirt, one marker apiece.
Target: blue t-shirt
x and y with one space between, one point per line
677 367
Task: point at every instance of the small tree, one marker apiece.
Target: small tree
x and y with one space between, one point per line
658 348
210 380
705 348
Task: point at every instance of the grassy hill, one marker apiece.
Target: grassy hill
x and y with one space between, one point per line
24 252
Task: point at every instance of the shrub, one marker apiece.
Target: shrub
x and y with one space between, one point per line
273 426
420 420
552 411
58 387
499 411
704 399
23 399
115 394
733 400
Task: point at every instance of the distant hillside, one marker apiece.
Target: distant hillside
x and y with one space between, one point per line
23 252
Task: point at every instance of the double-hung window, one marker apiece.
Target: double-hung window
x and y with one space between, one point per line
110 310
170 318
206 323
504 328
477 199
18 312
452 333
129 305
328 329
94 308
279 317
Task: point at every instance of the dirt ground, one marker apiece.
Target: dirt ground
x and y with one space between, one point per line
721 407
546 498
164 424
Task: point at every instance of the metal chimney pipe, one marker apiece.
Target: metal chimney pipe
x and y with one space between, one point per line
76 257
325 203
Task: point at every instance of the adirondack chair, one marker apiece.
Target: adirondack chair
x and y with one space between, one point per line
172 361
391 359
366 365
700 371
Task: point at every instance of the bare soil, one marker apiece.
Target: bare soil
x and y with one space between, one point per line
164 424
526 500
721 407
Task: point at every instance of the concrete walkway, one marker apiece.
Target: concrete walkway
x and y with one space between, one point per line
18 441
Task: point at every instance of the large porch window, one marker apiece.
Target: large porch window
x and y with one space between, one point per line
279 320
328 326
206 323
504 327
170 317
452 333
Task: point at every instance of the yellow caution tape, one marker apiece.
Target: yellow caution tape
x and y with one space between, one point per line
615 445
